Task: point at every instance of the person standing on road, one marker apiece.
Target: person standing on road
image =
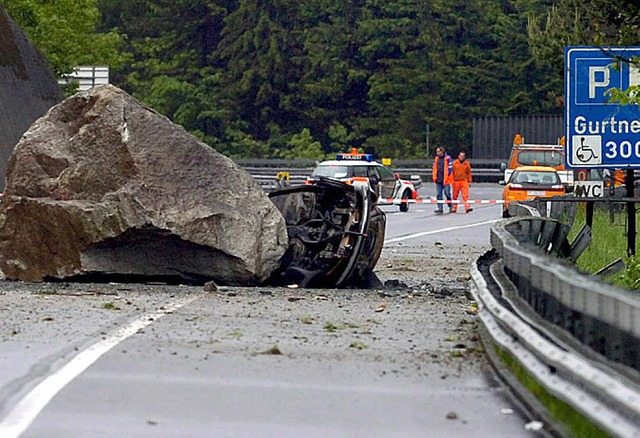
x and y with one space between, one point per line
461 180
443 177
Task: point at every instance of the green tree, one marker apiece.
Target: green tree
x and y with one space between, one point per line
65 32
249 76
572 22
171 68
302 145
397 49
261 53
334 86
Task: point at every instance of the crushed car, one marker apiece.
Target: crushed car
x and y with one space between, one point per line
336 233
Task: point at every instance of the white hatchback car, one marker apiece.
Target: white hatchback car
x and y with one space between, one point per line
353 167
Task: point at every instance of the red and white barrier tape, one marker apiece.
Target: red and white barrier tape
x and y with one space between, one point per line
443 201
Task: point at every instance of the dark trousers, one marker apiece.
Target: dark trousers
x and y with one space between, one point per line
446 189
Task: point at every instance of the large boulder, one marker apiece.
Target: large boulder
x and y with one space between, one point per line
28 87
102 186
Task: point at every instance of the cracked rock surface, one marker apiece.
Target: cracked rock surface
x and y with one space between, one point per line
104 186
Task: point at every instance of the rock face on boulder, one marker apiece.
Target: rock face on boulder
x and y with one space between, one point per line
28 87
104 187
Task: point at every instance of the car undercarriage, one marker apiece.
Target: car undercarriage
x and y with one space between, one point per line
336 233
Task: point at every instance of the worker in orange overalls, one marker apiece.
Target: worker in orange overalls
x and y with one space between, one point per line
443 177
461 180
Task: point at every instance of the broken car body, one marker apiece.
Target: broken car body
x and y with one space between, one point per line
336 233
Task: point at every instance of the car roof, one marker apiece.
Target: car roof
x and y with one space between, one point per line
349 163
538 147
537 169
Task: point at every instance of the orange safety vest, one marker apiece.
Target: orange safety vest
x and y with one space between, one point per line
461 171
448 169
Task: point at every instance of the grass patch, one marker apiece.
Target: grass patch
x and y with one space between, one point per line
273 350
306 320
358 345
110 306
331 327
608 243
578 424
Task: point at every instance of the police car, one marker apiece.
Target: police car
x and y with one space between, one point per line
354 168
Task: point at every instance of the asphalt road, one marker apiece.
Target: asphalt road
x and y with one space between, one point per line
421 224
154 360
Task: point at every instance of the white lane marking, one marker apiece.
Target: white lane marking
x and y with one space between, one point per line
28 408
441 230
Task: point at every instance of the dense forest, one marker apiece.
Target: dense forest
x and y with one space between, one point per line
303 78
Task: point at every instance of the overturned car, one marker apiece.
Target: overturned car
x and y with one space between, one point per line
336 233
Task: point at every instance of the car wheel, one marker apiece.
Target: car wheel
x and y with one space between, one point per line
505 214
404 205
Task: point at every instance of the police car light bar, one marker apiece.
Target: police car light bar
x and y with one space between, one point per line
355 157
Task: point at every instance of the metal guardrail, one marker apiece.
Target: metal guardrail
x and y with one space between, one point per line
267 176
577 337
398 163
603 317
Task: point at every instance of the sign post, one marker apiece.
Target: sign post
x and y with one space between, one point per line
427 138
601 134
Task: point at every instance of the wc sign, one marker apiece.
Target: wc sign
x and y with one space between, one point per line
600 134
588 189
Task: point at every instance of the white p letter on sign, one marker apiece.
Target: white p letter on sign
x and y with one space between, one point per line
594 82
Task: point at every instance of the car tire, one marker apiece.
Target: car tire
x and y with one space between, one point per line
404 205
505 214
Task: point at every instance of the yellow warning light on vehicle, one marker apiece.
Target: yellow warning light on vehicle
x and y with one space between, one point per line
517 139
283 176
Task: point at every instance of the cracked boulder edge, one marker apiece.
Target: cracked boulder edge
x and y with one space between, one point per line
336 234
104 188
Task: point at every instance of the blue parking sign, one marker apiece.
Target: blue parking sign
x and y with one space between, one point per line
600 133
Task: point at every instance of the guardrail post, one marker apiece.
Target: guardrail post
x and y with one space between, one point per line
612 268
631 215
589 219
580 243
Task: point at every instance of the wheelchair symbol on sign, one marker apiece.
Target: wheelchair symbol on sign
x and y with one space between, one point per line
584 153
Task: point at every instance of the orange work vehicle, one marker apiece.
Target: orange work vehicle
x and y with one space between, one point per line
530 182
617 177
549 155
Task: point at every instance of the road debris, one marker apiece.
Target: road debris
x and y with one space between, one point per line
274 349
534 426
210 286
381 307
358 345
